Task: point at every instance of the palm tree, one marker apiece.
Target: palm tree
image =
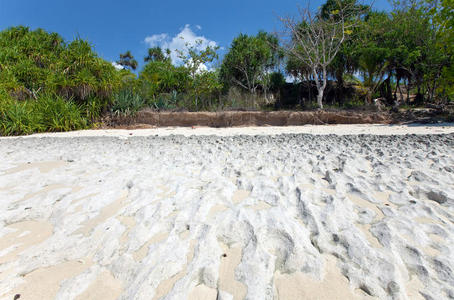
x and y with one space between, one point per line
156 54
127 60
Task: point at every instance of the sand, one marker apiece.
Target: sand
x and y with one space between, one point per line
339 129
345 212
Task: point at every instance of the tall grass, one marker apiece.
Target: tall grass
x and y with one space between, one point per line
47 113
58 114
18 118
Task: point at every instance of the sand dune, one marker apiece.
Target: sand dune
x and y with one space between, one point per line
282 216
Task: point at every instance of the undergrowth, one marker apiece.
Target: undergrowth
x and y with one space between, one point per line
48 113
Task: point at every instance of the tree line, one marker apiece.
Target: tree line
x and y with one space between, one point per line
399 57
341 53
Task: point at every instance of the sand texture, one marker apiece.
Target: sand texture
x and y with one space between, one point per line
290 216
338 129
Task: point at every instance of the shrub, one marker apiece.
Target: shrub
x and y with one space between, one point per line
47 84
36 62
126 103
58 114
18 118
47 113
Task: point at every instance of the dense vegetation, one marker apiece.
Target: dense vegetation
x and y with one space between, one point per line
342 55
49 85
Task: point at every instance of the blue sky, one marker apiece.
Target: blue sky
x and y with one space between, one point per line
116 26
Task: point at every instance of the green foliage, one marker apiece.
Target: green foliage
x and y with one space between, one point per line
166 86
162 77
127 61
92 108
18 118
372 53
442 15
202 83
48 84
167 101
205 87
156 54
196 58
127 103
47 113
400 45
37 62
331 8
249 59
277 81
58 114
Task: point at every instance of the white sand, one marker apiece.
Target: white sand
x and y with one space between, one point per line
376 129
264 216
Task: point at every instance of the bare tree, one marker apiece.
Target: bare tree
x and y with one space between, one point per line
315 41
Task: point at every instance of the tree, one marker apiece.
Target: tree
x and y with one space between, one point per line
156 54
162 77
249 60
36 62
196 59
343 63
351 9
127 60
441 13
371 52
206 85
315 41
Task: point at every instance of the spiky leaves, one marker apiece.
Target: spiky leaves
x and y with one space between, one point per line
37 62
127 60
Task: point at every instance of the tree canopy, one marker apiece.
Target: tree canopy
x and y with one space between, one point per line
344 52
156 54
249 59
37 62
127 60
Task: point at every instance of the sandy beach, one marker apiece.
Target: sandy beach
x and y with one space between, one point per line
339 129
309 212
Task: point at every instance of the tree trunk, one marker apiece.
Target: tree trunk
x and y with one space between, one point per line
320 87
401 94
309 86
388 92
369 96
395 90
320 91
340 88
408 92
432 89
300 96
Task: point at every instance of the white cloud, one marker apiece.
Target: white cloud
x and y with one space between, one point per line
155 39
186 37
117 66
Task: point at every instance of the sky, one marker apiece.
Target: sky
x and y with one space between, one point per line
116 26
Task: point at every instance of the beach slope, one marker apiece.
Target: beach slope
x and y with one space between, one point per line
365 213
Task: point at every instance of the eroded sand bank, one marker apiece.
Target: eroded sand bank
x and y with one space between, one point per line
228 217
